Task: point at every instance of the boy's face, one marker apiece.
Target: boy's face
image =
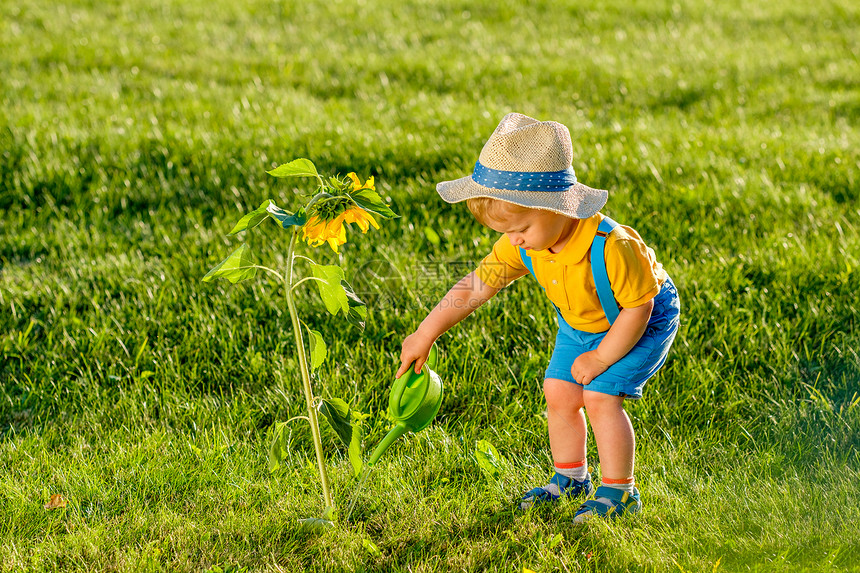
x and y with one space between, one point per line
534 229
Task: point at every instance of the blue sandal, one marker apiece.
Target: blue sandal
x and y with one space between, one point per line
559 485
609 503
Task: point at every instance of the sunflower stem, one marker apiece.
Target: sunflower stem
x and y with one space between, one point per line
306 377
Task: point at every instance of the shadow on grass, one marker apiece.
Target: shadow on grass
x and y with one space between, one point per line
476 539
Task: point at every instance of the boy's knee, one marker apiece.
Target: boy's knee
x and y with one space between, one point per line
596 401
562 394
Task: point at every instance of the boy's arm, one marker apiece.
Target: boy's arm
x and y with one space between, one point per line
625 332
463 298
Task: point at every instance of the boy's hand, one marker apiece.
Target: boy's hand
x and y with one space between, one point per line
588 366
416 348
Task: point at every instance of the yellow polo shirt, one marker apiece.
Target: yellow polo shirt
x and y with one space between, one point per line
634 273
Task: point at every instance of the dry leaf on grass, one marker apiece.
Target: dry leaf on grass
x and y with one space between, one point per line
57 500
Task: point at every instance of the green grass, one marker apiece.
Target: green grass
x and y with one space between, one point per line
132 135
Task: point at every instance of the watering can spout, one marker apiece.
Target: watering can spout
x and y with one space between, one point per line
414 401
386 442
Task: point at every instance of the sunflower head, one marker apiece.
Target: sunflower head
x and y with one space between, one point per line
341 202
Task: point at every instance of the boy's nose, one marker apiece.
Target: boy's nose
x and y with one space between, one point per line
516 240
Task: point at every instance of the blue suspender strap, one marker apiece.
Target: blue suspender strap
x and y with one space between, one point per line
527 261
598 270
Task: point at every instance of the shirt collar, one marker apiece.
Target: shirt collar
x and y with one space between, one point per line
578 245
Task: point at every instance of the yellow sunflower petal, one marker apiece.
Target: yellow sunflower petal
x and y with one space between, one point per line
312 228
317 230
356 182
365 219
352 216
370 218
357 185
334 228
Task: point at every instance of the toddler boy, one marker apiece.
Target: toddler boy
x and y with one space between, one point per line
617 309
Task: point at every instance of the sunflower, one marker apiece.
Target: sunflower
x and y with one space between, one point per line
318 231
327 223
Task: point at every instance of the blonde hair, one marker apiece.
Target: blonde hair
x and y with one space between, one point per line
486 208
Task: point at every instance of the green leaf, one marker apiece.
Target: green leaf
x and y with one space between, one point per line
558 538
296 168
357 313
276 447
341 419
252 219
371 547
331 291
336 411
432 236
318 348
287 219
329 513
197 451
489 459
239 266
338 295
354 451
316 523
357 316
370 200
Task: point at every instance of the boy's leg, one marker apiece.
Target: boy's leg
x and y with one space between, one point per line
565 420
567 433
613 432
616 445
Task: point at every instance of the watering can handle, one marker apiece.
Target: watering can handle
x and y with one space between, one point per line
397 390
431 358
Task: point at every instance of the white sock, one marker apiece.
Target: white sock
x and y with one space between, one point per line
575 470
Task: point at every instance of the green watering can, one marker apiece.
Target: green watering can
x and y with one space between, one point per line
413 403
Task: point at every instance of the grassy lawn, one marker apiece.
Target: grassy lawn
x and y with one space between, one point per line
134 134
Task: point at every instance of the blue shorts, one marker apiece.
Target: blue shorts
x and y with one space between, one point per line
627 376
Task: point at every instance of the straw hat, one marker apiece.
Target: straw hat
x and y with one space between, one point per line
528 162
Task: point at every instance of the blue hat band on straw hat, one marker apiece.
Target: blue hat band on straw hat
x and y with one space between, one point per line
524 180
